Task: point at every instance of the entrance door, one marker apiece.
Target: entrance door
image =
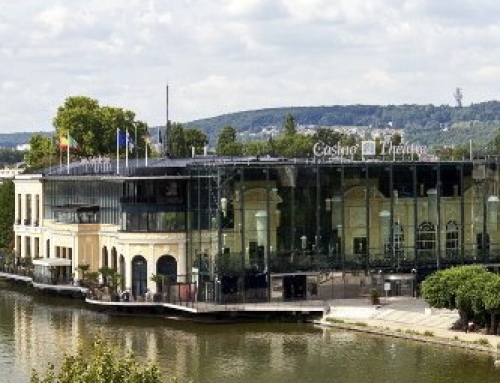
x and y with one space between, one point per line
294 287
139 276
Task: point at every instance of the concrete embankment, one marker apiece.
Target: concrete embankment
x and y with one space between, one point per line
408 319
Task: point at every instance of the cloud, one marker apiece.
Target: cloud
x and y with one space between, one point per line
223 56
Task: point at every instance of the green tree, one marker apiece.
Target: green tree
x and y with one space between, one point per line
227 144
443 290
491 294
95 127
290 146
327 136
255 148
289 126
11 156
104 364
7 203
177 140
470 296
194 137
43 152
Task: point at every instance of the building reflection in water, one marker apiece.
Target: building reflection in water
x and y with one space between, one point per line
34 332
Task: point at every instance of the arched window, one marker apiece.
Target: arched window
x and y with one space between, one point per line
167 266
114 259
426 241
122 273
104 262
139 276
452 239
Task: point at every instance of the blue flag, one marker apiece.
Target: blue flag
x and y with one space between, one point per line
122 138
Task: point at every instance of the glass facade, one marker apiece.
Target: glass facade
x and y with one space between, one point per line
281 218
154 205
62 197
264 226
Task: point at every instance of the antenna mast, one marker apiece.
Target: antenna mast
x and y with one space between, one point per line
458 97
166 136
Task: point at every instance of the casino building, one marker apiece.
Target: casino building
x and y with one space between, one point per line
261 229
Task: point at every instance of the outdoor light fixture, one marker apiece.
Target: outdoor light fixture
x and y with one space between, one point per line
328 204
492 209
432 196
303 241
384 224
223 206
261 223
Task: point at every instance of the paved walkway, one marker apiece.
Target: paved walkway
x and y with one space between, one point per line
405 315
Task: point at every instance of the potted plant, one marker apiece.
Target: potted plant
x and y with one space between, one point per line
83 268
375 296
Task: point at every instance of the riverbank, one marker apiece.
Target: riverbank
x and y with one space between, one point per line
406 318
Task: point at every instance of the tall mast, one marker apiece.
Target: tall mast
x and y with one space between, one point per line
166 136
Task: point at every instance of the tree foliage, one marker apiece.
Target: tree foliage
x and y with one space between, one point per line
95 127
472 290
291 146
103 365
289 126
256 148
42 151
227 144
441 288
11 156
196 139
177 140
425 124
7 204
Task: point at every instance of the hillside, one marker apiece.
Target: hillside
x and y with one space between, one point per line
11 140
425 124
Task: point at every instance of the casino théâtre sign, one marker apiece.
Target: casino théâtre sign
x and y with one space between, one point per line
368 148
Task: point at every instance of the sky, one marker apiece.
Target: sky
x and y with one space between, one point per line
225 56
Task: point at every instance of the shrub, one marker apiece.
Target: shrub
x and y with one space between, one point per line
104 364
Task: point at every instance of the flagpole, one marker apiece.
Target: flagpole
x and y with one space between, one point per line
126 149
117 151
68 152
166 136
60 154
146 152
136 146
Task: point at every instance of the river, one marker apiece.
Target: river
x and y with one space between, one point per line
35 330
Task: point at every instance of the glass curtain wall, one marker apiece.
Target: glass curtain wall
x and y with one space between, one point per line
451 220
106 195
250 222
354 217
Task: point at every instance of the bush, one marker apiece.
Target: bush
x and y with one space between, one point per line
104 364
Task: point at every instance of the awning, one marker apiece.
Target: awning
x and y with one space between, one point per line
49 262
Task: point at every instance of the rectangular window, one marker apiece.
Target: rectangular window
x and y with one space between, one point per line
18 209
27 246
37 210
27 221
37 248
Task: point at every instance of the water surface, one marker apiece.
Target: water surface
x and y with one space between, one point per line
35 330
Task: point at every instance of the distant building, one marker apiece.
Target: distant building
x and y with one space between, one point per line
23 147
9 172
